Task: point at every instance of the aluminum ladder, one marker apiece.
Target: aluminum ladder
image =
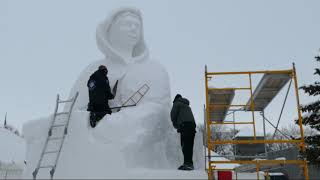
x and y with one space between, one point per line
60 139
137 96
134 99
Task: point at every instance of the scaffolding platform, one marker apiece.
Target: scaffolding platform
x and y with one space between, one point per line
219 103
268 87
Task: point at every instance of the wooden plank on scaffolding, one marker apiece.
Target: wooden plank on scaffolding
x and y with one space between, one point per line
219 97
263 167
269 86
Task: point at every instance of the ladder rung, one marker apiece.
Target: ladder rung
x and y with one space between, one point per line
65 101
55 138
60 113
48 166
133 101
58 125
50 152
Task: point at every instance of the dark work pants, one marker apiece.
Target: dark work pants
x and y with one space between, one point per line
97 116
187 134
98 111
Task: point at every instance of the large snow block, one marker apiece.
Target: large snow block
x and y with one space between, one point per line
114 146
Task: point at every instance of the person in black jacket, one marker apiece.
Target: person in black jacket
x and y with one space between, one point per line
183 120
99 94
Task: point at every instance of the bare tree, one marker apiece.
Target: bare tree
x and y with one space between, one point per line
220 133
288 132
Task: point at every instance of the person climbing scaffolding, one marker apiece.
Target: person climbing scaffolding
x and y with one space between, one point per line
99 95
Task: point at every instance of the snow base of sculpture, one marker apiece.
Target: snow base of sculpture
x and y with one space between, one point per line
114 149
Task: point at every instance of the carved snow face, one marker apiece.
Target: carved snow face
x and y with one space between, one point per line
126 29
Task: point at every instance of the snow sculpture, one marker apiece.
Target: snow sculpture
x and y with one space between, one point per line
137 137
120 39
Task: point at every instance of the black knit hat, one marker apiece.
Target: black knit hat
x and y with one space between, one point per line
177 96
102 67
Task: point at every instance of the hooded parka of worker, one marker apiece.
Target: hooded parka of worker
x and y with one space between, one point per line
183 120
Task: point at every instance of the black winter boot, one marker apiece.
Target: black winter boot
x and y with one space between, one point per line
186 167
93 121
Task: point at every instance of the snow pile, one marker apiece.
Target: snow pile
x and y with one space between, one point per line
13 147
125 144
12 154
12 129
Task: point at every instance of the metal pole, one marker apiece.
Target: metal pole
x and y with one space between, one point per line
302 147
204 135
236 175
210 176
298 107
285 135
229 156
251 72
5 121
264 135
305 170
284 103
252 108
266 175
234 135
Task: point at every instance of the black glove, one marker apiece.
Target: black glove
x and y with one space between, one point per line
110 96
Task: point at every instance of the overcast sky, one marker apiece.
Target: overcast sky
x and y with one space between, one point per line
44 45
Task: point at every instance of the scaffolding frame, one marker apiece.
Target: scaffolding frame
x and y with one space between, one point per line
258 163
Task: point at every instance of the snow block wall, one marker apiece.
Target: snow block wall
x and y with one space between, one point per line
139 137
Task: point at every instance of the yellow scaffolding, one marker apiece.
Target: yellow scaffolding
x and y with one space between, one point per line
211 143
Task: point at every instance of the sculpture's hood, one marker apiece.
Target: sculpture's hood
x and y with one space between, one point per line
140 52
